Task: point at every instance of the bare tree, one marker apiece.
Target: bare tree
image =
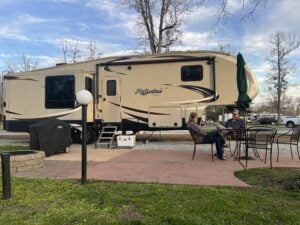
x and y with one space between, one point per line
11 66
64 46
282 46
26 63
74 51
93 52
297 105
224 47
248 8
159 22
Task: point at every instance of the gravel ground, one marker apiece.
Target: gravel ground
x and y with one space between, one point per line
164 140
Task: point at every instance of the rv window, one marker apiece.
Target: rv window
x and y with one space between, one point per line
192 73
111 88
60 92
89 84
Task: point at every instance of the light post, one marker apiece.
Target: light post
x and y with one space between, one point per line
84 97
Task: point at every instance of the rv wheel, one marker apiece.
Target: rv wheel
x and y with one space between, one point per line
91 136
75 136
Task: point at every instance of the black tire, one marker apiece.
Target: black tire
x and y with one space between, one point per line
91 136
75 136
290 124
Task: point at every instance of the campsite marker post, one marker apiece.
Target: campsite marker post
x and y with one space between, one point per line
84 97
6 186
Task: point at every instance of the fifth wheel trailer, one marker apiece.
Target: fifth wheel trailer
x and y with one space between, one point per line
138 92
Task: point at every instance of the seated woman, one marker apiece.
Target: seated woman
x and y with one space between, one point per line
201 137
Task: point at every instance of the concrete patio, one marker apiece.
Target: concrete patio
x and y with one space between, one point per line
158 162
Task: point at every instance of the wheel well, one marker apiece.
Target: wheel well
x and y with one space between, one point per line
289 122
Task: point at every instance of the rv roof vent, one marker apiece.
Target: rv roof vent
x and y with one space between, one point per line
60 64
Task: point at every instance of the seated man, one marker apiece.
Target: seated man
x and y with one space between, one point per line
201 137
234 123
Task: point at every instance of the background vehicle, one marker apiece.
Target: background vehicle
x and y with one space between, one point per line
290 121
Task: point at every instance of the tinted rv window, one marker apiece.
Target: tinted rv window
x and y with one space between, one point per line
60 92
192 73
111 86
89 84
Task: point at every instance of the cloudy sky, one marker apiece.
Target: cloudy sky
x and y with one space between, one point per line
37 29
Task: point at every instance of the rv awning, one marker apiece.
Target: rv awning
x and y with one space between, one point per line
243 99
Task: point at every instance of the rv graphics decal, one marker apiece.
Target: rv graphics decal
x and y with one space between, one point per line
108 69
14 113
138 110
208 94
139 118
17 78
147 91
52 115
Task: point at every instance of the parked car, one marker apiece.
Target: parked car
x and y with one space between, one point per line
267 120
290 121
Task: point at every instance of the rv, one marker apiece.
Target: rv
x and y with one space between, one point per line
134 93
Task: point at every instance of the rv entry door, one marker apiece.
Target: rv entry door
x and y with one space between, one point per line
111 99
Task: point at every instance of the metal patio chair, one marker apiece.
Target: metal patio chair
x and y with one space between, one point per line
289 138
195 147
261 137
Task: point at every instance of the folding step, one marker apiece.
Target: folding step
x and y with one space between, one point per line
106 136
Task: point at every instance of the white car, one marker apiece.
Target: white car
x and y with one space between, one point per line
290 121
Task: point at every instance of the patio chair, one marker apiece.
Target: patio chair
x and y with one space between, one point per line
289 138
195 147
261 137
237 137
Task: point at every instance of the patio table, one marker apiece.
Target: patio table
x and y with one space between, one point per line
257 137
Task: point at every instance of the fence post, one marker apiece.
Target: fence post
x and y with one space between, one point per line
6 186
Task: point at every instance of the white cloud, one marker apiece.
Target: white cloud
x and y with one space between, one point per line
103 48
28 19
11 32
65 1
281 16
196 41
121 18
285 16
199 17
117 24
83 26
261 68
6 55
293 91
15 30
256 44
107 6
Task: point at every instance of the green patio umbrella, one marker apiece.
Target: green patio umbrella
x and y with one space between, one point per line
243 99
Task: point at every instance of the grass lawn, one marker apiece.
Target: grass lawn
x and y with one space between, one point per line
8 148
49 201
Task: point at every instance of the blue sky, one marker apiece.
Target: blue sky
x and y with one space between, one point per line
37 29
